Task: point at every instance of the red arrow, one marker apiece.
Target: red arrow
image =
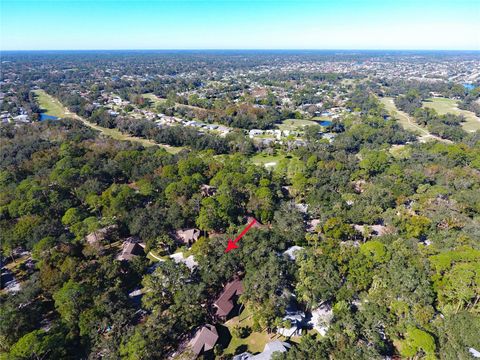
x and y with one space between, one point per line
233 244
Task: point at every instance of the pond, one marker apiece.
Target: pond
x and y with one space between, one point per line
469 86
47 117
325 123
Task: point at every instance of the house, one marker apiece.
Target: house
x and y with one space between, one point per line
296 320
227 299
291 251
187 236
204 340
268 350
99 235
257 225
372 230
255 132
207 190
312 225
475 353
131 248
302 207
188 261
321 318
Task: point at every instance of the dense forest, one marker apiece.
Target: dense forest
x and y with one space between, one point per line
413 290
385 226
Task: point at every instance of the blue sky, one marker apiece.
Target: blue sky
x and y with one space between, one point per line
237 24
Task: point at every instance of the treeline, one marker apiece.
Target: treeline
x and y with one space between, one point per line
446 126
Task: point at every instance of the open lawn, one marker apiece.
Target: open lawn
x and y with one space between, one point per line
154 98
50 105
295 124
444 106
55 108
268 160
254 343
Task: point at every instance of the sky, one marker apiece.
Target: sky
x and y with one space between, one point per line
239 24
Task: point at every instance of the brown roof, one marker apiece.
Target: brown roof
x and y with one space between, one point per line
224 302
257 225
131 248
205 339
100 234
188 236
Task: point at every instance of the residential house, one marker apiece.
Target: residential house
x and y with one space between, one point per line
257 225
291 251
208 190
321 318
187 236
312 225
372 230
131 248
297 321
21 118
228 298
268 351
188 261
94 238
205 340
255 132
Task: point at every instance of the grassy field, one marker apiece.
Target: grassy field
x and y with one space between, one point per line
254 343
267 160
444 106
55 108
50 105
295 124
154 98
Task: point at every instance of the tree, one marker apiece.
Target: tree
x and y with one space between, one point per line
289 223
418 342
70 301
318 278
38 345
374 162
163 284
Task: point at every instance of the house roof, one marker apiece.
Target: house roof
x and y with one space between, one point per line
131 248
268 350
257 225
291 251
205 339
188 235
100 234
224 302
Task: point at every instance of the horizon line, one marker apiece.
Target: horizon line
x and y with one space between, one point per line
240 49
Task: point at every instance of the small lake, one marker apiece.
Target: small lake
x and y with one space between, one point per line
325 123
47 117
469 86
